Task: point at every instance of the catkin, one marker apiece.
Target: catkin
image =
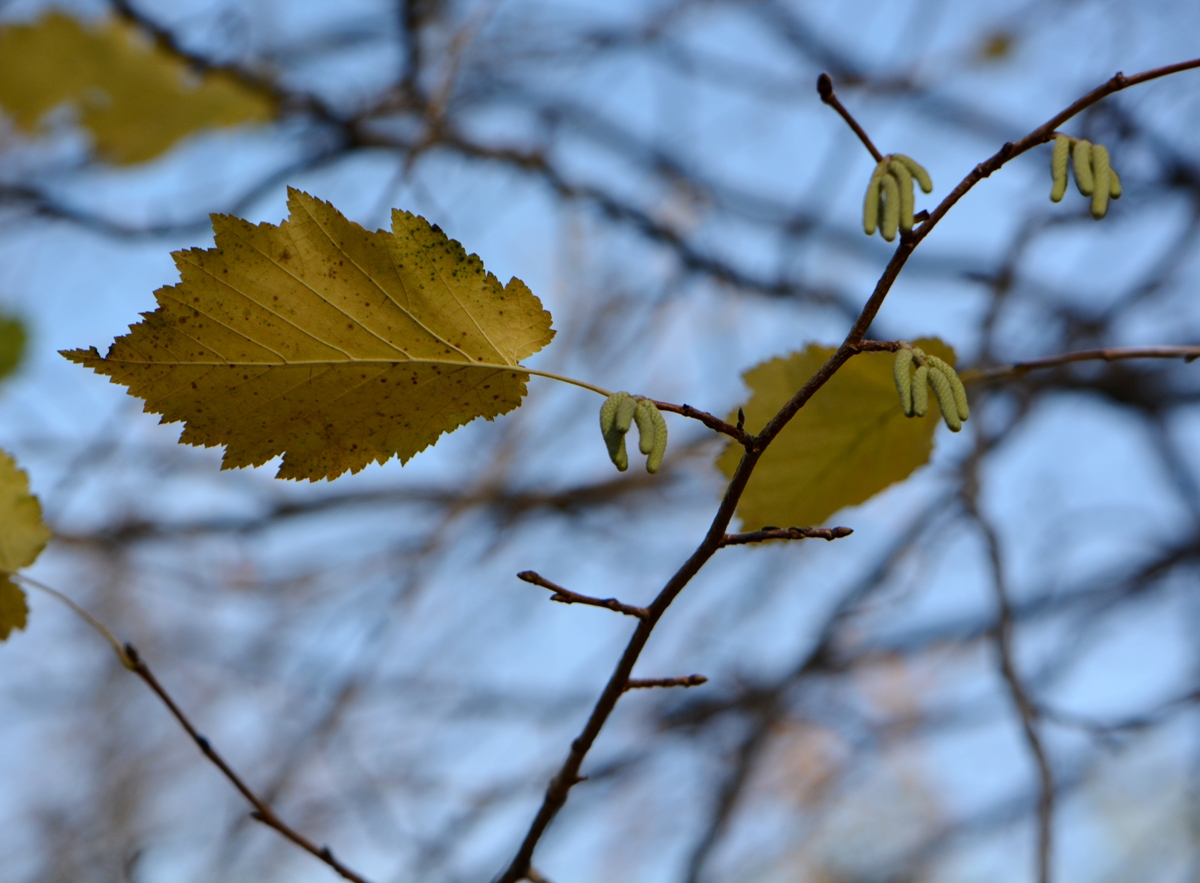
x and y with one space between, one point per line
614 438
945 397
891 208
1114 183
871 200
904 181
902 370
608 411
1058 167
918 172
1100 181
646 426
660 442
626 408
1081 159
956 386
920 391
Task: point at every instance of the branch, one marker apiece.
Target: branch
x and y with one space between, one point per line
1041 135
1107 729
1026 709
262 812
825 90
1111 354
785 533
686 681
566 596
568 773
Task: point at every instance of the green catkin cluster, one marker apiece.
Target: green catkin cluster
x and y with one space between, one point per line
916 372
889 202
1094 174
618 413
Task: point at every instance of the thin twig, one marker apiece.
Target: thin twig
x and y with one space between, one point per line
686 681
1026 709
262 812
879 346
84 614
1108 729
133 661
825 90
785 533
566 596
568 773
712 422
1110 354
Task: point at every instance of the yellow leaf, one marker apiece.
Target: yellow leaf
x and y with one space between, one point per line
22 538
136 98
849 442
14 611
327 343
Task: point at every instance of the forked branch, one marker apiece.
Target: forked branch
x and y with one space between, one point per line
568 774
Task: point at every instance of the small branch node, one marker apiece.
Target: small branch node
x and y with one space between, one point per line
789 533
566 596
646 683
881 346
202 741
825 87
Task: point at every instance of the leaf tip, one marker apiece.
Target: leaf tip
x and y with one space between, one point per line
81 356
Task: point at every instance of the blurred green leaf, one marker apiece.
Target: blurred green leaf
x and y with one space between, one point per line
997 46
12 345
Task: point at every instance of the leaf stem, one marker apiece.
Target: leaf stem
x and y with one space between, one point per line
599 390
84 614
